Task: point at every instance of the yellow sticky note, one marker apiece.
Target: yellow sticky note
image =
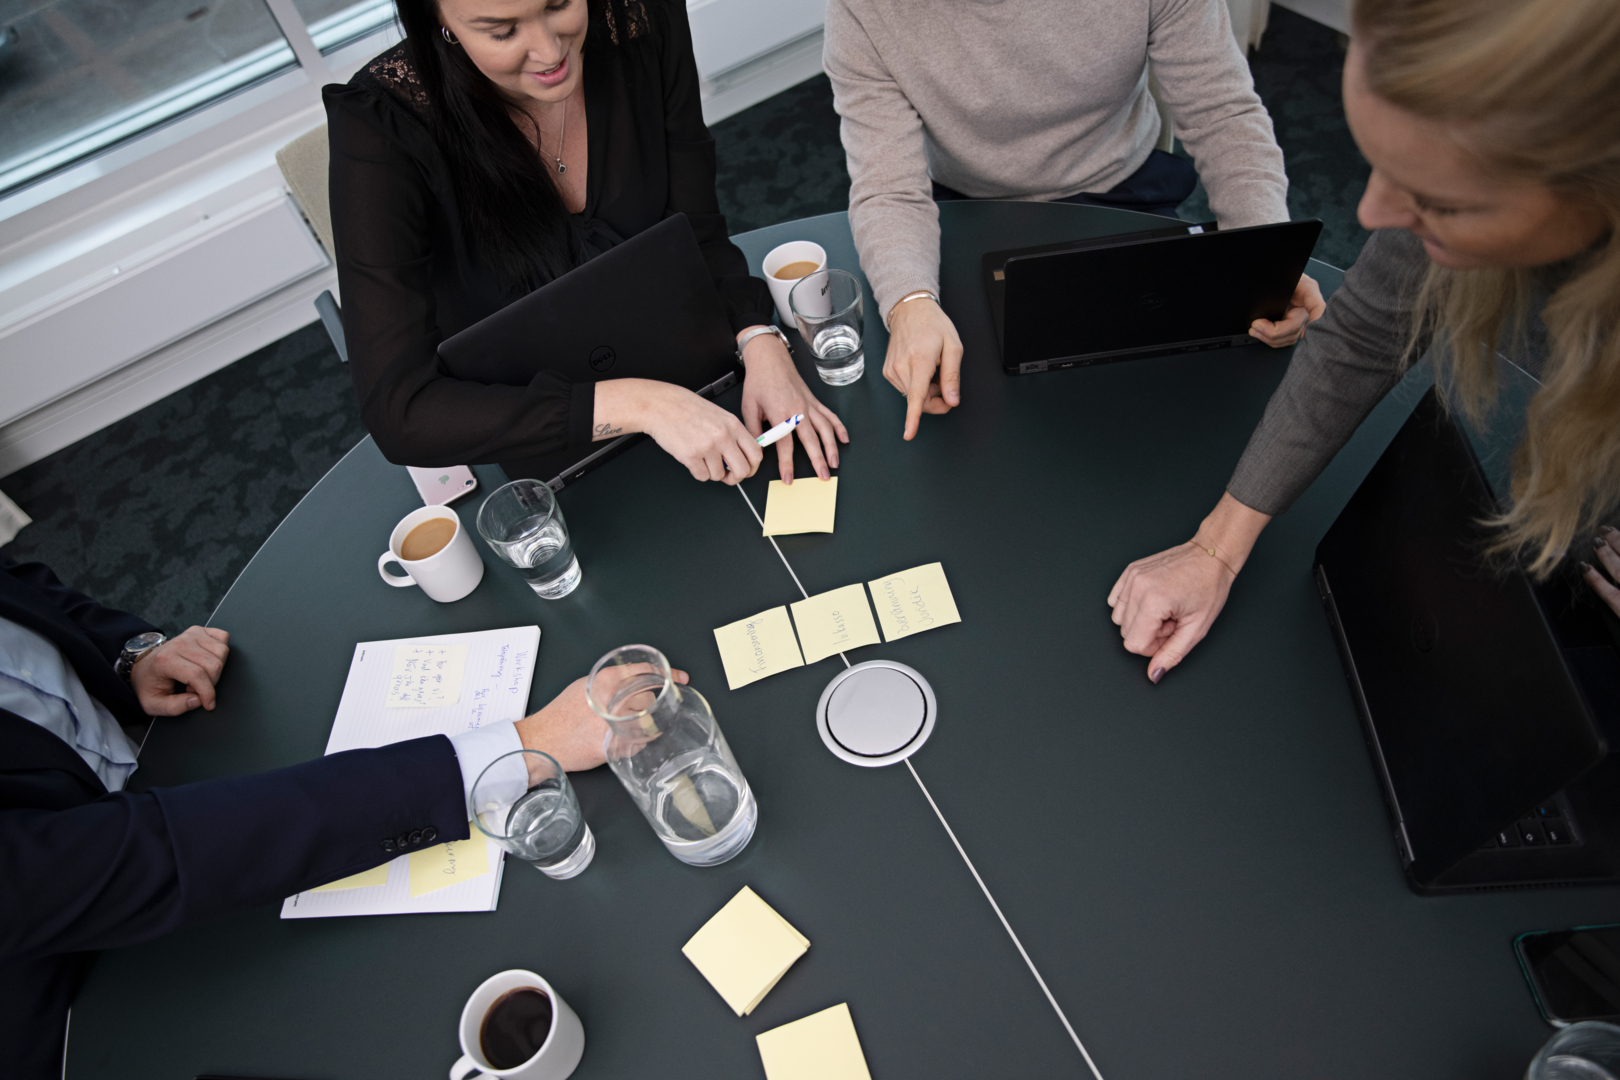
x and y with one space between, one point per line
448 864
756 647
806 505
365 879
822 1046
832 622
426 676
745 950
913 601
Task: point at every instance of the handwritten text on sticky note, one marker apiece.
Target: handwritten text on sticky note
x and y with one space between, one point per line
426 676
802 507
913 601
449 864
832 622
751 649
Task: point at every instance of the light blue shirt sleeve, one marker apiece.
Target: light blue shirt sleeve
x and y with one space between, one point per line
38 683
477 749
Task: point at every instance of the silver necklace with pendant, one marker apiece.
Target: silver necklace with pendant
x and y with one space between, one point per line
562 131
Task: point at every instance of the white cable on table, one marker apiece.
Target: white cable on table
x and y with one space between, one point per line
1005 925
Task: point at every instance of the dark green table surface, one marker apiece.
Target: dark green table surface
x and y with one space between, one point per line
1202 871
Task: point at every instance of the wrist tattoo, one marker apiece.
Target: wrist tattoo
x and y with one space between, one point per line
602 431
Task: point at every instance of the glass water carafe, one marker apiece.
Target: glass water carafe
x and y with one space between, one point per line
667 750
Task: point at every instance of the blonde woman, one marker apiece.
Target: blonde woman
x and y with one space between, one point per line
1493 130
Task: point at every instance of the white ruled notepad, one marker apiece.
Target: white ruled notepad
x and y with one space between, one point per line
408 689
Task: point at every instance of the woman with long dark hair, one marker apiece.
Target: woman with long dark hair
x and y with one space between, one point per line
500 145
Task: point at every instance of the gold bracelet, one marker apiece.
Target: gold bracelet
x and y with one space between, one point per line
1210 551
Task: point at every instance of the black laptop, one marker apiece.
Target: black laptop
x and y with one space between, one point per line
1180 288
1484 697
646 309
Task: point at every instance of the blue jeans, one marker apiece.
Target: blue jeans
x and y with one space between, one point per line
1158 187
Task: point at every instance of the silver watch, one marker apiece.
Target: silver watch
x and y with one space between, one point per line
768 328
135 648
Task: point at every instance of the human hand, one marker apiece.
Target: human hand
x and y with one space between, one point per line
708 440
773 392
1607 548
923 341
569 730
1166 603
191 661
1306 306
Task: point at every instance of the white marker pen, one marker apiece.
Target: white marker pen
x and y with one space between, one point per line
781 429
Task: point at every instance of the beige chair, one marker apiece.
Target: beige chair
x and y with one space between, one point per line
304 164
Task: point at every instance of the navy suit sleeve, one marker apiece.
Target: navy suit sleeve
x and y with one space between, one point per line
131 866
108 628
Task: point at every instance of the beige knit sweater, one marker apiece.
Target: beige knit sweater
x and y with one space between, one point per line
1033 99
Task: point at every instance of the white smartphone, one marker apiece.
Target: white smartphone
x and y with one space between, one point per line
440 486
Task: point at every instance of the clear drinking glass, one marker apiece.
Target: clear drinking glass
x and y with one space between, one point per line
534 815
1589 1050
524 524
827 306
668 752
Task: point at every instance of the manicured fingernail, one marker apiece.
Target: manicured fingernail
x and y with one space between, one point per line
192 703
1158 673
1597 542
1605 530
1586 568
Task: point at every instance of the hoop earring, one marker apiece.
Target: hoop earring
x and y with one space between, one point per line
445 30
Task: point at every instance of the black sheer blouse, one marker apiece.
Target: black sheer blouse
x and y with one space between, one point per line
409 278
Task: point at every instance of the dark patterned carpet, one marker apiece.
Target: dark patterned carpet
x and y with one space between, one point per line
159 512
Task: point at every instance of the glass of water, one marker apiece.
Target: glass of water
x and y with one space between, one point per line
827 306
524 802
1589 1050
524 524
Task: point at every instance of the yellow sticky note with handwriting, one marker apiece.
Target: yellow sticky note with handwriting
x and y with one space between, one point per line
822 1046
365 879
752 648
804 506
913 601
426 675
745 950
832 622
448 864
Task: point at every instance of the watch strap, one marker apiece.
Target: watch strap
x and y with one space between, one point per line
768 328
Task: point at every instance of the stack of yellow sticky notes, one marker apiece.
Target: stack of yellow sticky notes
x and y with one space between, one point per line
745 950
822 1046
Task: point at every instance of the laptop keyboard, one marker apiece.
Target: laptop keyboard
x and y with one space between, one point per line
1549 825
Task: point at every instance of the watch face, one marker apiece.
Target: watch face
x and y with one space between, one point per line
142 642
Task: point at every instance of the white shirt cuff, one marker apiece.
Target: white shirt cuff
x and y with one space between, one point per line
478 748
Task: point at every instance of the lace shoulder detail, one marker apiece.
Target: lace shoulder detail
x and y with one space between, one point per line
395 73
626 19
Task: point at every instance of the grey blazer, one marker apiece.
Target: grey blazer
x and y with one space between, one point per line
1349 360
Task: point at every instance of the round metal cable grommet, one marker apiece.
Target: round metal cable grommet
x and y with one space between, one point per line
876 713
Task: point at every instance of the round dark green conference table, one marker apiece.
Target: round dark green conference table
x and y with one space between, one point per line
1202 871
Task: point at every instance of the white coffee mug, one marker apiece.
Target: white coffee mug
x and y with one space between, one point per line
780 256
449 573
557 1057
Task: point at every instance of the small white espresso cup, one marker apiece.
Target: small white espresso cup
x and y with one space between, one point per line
557 1057
449 573
791 252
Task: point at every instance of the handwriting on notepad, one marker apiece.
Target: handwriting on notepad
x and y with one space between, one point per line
426 676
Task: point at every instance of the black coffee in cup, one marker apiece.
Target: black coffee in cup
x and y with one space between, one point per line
515 1028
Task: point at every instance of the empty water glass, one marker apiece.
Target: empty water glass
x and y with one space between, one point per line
524 524
524 802
827 306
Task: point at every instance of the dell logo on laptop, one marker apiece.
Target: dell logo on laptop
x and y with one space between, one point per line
602 358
